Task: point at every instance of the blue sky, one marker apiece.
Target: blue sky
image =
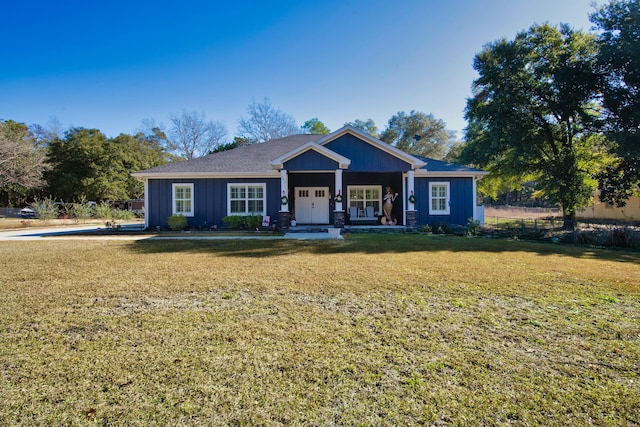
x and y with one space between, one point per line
111 64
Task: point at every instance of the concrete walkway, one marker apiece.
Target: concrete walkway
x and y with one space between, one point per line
76 233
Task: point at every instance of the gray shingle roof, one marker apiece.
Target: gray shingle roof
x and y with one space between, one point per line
434 165
256 159
252 158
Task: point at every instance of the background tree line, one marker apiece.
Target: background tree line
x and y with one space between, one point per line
84 164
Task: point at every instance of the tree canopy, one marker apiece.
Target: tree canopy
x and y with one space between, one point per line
418 133
85 164
21 160
192 136
533 112
316 127
619 64
266 122
367 126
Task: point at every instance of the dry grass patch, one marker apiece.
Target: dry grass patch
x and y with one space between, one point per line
373 330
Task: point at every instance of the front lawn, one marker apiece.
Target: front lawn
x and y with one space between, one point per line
372 330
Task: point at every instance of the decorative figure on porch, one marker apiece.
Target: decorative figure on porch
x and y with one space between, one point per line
387 207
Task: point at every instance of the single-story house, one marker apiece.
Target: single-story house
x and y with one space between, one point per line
335 179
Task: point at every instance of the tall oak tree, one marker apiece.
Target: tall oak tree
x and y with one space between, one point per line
533 112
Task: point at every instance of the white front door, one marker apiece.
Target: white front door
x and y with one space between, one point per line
312 205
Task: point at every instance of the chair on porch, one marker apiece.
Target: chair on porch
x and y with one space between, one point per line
370 212
362 216
353 212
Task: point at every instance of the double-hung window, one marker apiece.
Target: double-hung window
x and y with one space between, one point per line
361 196
439 198
182 199
246 199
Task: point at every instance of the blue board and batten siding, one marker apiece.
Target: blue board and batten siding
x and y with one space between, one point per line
209 199
311 161
460 206
365 157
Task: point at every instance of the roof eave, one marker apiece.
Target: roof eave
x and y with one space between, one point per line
195 175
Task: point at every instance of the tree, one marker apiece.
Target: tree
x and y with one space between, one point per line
237 142
86 165
533 112
77 164
127 154
418 133
368 126
619 63
192 136
21 161
315 127
266 122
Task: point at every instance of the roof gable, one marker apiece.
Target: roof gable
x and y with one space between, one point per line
313 152
339 136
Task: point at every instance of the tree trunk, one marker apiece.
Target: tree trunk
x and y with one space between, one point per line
568 218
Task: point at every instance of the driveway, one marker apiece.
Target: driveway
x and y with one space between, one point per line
76 233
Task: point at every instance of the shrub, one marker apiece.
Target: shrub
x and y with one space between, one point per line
425 229
622 237
103 211
122 214
473 227
253 222
82 209
441 228
45 208
234 222
177 222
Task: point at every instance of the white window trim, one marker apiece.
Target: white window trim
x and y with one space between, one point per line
447 211
175 186
355 187
247 184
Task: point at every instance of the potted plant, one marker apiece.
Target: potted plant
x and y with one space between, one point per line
292 219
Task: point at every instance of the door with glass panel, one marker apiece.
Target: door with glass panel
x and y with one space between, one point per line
312 205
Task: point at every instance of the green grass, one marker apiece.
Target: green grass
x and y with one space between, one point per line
372 330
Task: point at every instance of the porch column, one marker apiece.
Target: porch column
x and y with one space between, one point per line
338 212
285 216
411 217
284 189
339 189
411 182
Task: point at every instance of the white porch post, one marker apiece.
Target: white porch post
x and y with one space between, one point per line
339 189
411 181
284 189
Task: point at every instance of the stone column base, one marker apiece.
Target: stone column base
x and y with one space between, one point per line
338 219
284 220
412 219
